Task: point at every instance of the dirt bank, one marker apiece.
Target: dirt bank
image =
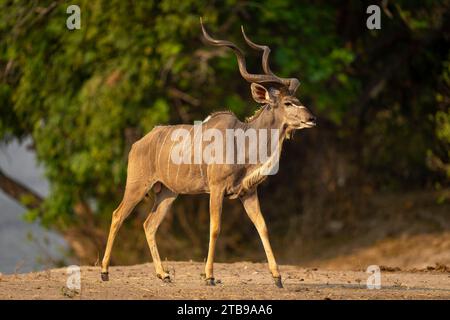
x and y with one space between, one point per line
243 280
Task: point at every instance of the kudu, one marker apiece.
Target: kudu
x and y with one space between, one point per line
150 167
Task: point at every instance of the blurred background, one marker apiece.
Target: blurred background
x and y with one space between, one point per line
368 185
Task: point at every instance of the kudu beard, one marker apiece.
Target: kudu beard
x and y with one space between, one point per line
230 146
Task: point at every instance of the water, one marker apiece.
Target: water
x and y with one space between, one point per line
25 246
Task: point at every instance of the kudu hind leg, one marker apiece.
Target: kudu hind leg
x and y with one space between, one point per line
163 201
251 205
133 195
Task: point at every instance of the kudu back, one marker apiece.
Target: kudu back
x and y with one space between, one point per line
151 165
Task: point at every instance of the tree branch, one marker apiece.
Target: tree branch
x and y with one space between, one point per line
178 94
19 192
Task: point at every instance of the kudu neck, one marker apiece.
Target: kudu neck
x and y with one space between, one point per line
268 119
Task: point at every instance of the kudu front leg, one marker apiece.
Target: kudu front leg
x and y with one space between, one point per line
251 205
215 208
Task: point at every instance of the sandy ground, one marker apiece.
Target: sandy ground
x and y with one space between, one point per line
243 280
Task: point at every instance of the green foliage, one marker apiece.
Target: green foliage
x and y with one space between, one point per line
439 157
85 95
443 126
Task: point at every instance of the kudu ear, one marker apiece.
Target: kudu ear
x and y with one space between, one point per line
261 94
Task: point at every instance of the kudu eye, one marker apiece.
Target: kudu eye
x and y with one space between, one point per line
288 104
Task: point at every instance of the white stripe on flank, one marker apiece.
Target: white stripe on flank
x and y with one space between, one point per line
201 149
190 164
162 145
179 165
169 158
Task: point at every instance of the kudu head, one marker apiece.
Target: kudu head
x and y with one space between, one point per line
276 93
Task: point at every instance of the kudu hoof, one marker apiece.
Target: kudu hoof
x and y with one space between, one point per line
278 282
165 278
105 276
210 282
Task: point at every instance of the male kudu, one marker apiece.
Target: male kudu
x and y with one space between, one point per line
150 166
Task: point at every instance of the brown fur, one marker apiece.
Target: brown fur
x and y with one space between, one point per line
150 166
